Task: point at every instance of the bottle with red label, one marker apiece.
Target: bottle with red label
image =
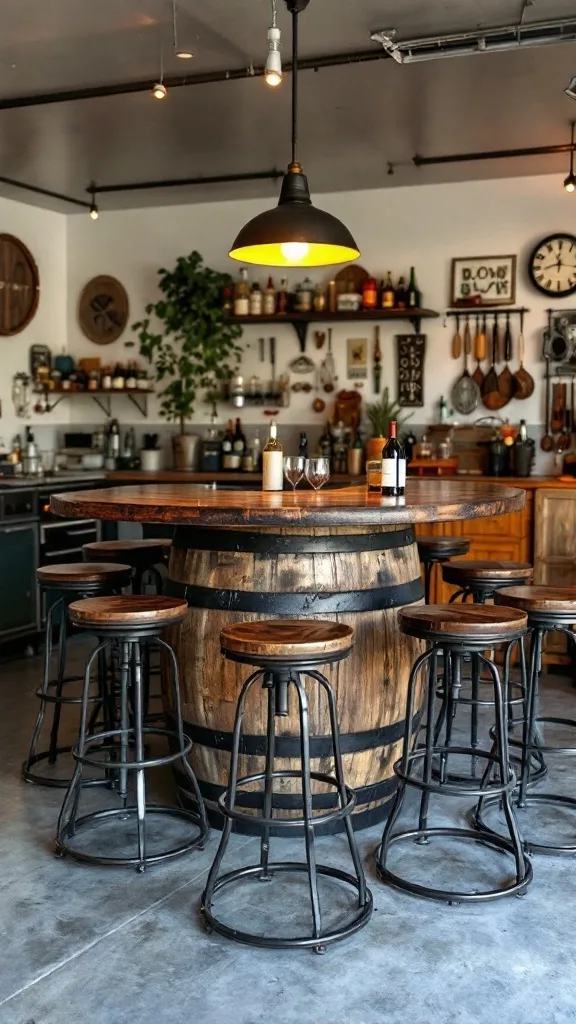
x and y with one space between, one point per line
369 294
393 466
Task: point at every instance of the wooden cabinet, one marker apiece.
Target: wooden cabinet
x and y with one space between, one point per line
555 553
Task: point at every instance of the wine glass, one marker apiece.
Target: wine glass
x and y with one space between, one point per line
317 472
294 469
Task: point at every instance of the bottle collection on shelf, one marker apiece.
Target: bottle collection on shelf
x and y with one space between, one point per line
246 299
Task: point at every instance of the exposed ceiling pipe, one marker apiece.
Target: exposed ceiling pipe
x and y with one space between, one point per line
215 179
44 192
492 154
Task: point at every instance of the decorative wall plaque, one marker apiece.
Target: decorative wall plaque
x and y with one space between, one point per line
103 309
486 280
19 286
357 358
411 352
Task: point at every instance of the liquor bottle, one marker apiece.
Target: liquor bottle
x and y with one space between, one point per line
239 443
444 412
272 462
303 445
242 294
227 446
388 293
227 299
270 298
409 443
355 456
319 298
256 303
414 297
369 294
282 300
325 443
522 433
393 466
256 452
401 294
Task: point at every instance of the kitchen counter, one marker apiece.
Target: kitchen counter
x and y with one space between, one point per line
55 481
172 476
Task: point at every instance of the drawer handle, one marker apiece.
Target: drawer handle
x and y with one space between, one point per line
15 529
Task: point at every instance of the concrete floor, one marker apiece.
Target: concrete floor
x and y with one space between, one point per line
108 946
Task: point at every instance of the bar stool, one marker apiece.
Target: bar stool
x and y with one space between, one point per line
144 556
69 582
549 609
132 622
456 631
436 550
283 652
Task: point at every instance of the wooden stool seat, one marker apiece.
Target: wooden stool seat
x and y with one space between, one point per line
286 638
464 573
74 574
470 621
140 610
136 552
436 549
550 600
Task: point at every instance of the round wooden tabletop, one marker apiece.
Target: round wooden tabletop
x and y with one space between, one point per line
426 501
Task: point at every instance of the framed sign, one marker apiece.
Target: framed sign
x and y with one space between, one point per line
411 350
357 358
491 280
103 309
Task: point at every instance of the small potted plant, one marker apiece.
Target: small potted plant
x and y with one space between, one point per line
193 347
381 414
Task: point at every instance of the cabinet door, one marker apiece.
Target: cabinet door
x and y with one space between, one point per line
555 552
18 560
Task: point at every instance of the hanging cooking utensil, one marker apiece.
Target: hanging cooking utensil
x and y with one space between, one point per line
490 393
466 393
467 341
319 338
302 363
457 340
558 407
547 442
505 380
563 440
479 351
328 367
523 381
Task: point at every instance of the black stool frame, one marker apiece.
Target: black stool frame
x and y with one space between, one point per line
69 823
277 674
454 649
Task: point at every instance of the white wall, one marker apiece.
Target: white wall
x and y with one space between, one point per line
395 228
44 233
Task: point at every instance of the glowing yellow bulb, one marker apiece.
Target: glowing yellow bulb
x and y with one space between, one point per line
295 251
159 91
184 54
94 213
570 186
273 78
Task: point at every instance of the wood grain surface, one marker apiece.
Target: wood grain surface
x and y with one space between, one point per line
429 546
84 572
539 599
463 571
425 501
289 637
462 619
145 610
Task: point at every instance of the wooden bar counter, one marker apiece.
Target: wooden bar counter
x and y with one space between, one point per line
345 555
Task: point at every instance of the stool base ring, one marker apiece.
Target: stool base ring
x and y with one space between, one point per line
44 780
301 942
529 846
63 846
494 841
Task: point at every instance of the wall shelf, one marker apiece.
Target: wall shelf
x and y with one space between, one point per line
138 398
301 321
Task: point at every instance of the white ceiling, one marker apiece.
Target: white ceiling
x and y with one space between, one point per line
354 118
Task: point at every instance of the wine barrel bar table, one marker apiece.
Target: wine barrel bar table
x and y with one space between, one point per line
344 555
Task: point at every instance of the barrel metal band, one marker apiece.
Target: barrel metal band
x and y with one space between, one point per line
198 539
317 602
293 801
290 746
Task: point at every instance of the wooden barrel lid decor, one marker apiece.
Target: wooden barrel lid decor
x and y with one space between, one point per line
19 286
103 309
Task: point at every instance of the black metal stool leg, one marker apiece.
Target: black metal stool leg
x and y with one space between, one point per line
125 666
431 701
309 837
44 689
62 638
139 754
475 693
268 781
428 566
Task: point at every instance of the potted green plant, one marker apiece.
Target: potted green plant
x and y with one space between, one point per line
194 346
381 414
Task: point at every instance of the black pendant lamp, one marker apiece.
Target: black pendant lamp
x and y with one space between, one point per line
294 233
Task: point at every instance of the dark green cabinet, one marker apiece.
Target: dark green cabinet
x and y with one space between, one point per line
18 594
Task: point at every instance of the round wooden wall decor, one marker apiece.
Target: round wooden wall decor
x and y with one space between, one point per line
103 309
19 286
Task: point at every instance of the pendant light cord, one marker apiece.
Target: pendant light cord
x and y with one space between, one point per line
572 150
294 81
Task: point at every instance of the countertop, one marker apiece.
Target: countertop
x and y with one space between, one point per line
55 482
172 476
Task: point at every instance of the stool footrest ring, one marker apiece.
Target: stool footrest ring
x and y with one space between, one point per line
287 823
63 845
530 846
130 734
448 788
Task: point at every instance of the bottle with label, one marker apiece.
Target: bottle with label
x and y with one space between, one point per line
369 294
256 452
270 298
393 466
256 301
401 294
409 443
325 443
303 445
242 294
118 380
227 446
414 297
282 298
273 462
239 443
388 293
444 411
304 296
319 298
522 433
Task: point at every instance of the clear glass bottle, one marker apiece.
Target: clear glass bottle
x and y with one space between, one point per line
256 301
388 293
242 294
273 462
269 305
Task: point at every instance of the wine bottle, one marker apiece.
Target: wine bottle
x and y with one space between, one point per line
303 445
393 466
242 294
388 293
227 446
256 300
401 294
282 299
272 462
270 298
414 298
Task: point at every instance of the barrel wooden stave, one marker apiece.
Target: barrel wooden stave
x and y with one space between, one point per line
370 684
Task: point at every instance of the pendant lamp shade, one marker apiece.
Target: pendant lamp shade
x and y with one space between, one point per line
294 233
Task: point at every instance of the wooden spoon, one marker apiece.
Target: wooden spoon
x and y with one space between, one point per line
505 379
479 351
457 340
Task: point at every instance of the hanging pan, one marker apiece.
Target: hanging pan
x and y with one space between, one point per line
465 393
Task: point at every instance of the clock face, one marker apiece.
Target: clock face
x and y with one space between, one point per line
552 265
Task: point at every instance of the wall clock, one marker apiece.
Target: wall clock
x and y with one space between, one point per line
552 265
19 286
103 309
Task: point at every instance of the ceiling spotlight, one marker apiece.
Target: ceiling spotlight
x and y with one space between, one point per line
159 91
570 180
179 51
571 89
93 206
273 68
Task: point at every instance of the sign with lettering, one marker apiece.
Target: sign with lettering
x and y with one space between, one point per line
411 349
483 280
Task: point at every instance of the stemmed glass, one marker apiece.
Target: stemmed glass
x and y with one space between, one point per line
294 469
317 472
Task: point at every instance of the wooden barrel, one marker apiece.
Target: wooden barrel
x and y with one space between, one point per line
359 576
